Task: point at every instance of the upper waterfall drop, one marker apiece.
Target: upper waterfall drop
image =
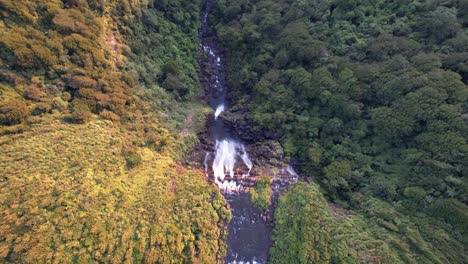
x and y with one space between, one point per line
219 110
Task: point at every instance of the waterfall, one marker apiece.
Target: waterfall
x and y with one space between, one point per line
227 154
225 159
230 157
205 163
219 110
246 160
291 171
228 162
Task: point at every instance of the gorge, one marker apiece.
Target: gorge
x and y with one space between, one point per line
169 131
249 236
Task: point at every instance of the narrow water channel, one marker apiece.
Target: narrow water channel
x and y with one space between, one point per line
249 236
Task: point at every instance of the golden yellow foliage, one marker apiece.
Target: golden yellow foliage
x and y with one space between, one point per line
103 191
13 112
66 194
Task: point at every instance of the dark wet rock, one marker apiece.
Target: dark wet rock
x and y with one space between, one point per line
240 122
266 152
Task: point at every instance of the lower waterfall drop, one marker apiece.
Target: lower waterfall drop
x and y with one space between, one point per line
227 154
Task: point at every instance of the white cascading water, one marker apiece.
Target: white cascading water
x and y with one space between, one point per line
225 159
246 160
219 110
227 152
205 163
292 172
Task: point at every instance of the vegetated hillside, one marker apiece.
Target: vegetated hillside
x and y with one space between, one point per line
371 98
97 101
68 195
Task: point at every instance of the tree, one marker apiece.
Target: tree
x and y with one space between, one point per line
336 177
441 24
261 194
302 229
81 113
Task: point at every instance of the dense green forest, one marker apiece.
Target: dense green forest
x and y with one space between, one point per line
370 98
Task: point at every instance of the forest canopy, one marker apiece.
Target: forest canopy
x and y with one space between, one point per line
370 99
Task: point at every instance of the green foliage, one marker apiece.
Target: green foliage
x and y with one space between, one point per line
81 113
453 212
369 96
308 230
337 175
90 49
261 194
167 55
301 235
72 60
441 23
133 160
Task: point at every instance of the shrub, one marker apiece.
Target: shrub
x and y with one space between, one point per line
133 160
453 212
261 195
41 108
77 82
13 112
33 93
66 96
24 57
81 113
109 115
416 194
173 84
71 20
44 54
302 227
336 176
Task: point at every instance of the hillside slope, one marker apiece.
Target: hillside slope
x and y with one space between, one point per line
67 195
97 102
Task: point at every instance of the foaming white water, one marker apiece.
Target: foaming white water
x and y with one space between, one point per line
219 110
229 186
246 262
291 171
227 151
246 160
225 158
205 163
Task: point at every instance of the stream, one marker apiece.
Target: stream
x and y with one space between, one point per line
229 164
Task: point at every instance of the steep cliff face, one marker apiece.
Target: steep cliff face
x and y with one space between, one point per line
97 102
